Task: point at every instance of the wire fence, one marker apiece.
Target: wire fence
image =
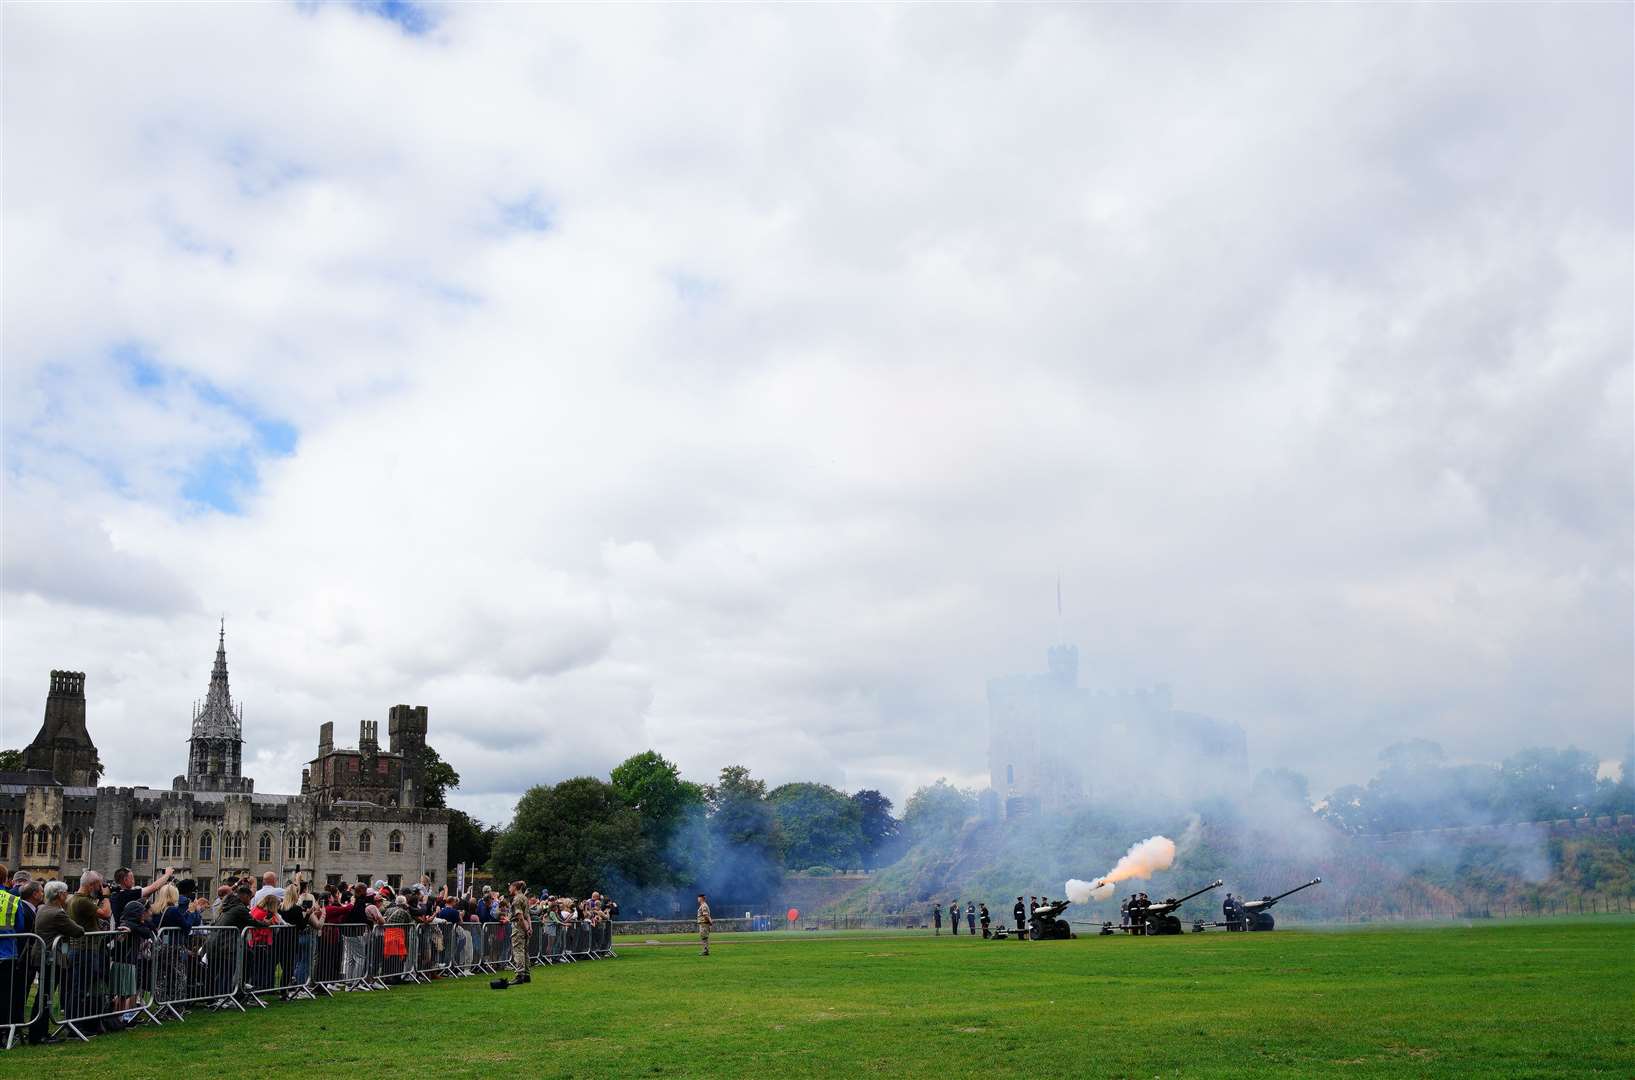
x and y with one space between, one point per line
111 980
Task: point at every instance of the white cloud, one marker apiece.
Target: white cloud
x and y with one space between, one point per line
1298 340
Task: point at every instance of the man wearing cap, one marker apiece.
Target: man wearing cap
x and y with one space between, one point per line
521 924
1020 914
704 924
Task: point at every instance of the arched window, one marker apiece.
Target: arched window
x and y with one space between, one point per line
28 840
263 848
301 846
431 839
235 847
394 842
334 839
76 846
56 840
366 840
178 845
142 846
5 844
207 844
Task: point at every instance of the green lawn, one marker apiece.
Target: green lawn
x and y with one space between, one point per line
1550 998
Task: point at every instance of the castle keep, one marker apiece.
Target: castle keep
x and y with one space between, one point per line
359 815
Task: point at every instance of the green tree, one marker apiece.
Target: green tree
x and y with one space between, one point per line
11 761
878 827
820 826
1539 783
574 837
437 777
671 810
469 840
744 840
938 808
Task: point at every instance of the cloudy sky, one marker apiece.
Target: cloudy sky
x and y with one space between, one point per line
737 381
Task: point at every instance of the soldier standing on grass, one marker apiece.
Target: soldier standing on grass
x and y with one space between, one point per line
953 916
704 924
936 919
521 925
1021 915
984 920
970 917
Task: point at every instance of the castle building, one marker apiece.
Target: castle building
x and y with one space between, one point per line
359 815
1054 745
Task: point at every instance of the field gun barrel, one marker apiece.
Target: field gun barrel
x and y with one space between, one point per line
1268 901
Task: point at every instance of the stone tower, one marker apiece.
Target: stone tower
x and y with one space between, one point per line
216 747
64 747
406 728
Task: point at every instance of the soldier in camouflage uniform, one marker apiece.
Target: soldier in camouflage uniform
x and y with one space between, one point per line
704 924
521 925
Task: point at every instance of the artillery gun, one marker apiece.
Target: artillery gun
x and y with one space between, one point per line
1161 918
1047 923
1252 914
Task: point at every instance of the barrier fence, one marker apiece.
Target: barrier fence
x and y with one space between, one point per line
83 986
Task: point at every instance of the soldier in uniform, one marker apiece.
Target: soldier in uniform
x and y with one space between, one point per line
704 924
953 916
521 926
985 920
1021 915
936 920
970 916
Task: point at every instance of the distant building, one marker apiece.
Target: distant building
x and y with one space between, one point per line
1053 744
358 817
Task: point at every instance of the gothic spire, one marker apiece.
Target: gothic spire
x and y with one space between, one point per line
218 718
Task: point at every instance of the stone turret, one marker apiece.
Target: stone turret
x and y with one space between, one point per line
406 727
216 746
64 747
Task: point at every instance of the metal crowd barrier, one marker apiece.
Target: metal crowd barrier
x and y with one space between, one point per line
81 984
435 940
391 954
496 952
97 978
342 959
202 965
25 974
277 960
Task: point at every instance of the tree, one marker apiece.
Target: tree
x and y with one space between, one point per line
938 808
11 761
820 826
436 778
1281 785
574 837
1540 783
469 840
744 840
875 822
652 786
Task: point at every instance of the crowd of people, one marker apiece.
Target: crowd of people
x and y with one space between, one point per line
108 989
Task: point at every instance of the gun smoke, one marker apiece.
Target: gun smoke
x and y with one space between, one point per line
1142 861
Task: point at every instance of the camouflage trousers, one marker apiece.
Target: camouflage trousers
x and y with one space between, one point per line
519 951
704 938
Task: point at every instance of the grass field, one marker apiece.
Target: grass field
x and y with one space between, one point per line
1551 998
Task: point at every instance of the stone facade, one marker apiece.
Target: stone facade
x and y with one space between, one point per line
211 824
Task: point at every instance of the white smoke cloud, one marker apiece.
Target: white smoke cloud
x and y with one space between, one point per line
1141 862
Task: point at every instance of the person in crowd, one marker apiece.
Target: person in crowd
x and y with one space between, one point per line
125 889
70 974
13 955
132 955
295 910
31 896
